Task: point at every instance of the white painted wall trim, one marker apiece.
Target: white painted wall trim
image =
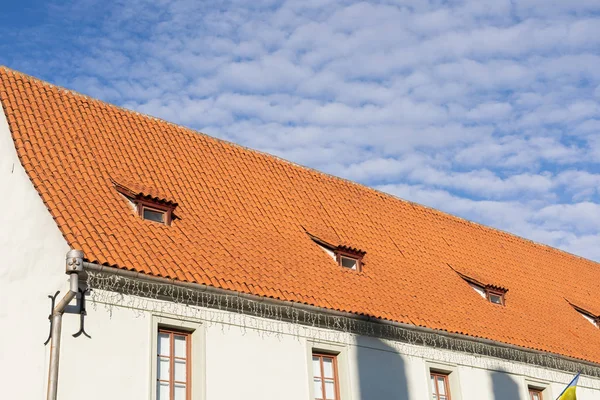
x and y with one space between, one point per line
453 377
543 385
198 342
341 353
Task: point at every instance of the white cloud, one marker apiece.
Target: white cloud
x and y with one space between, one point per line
489 109
585 217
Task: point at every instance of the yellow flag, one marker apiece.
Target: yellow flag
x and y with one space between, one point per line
569 392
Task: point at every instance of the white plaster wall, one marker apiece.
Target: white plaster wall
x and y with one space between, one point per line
113 364
32 254
248 365
252 358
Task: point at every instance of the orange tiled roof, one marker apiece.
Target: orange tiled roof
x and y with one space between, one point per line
74 148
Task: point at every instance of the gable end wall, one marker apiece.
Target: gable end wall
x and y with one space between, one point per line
32 254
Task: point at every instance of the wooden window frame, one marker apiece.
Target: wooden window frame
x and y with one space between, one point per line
188 362
494 292
336 377
142 204
488 290
338 257
341 251
434 390
141 201
347 254
537 391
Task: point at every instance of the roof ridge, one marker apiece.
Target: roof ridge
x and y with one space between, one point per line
264 153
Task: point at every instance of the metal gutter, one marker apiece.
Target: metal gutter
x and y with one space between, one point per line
324 311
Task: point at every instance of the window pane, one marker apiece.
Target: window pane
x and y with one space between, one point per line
164 368
348 262
494 298
318 388
180 370
441 386
316 366
153 215
535 395
162 391
180 392
329 390
433 387
327 367
180 346
164 344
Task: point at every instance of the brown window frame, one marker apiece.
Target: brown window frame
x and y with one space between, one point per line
340 253
493 292
434 390
188 362
533 391
336 378
142 204
142 201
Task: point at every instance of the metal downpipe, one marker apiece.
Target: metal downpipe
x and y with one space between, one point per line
74 266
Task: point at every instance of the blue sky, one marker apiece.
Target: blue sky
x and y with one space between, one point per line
489 110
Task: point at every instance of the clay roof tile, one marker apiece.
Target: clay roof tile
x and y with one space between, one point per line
245 216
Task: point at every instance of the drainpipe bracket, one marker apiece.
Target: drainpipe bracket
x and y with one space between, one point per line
52 302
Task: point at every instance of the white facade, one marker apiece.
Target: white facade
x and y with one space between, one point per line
234 356
32 264
240 356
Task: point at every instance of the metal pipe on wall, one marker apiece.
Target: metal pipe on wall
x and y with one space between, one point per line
74 266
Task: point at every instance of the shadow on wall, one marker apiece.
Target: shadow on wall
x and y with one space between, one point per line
504 386
381 371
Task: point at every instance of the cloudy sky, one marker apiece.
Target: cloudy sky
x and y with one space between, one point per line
487 109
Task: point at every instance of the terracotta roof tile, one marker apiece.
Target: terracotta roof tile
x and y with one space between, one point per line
243 218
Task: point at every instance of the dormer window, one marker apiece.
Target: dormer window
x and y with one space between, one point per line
491 293
153 211
495 296
153 215
348 262
344 256
149 207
